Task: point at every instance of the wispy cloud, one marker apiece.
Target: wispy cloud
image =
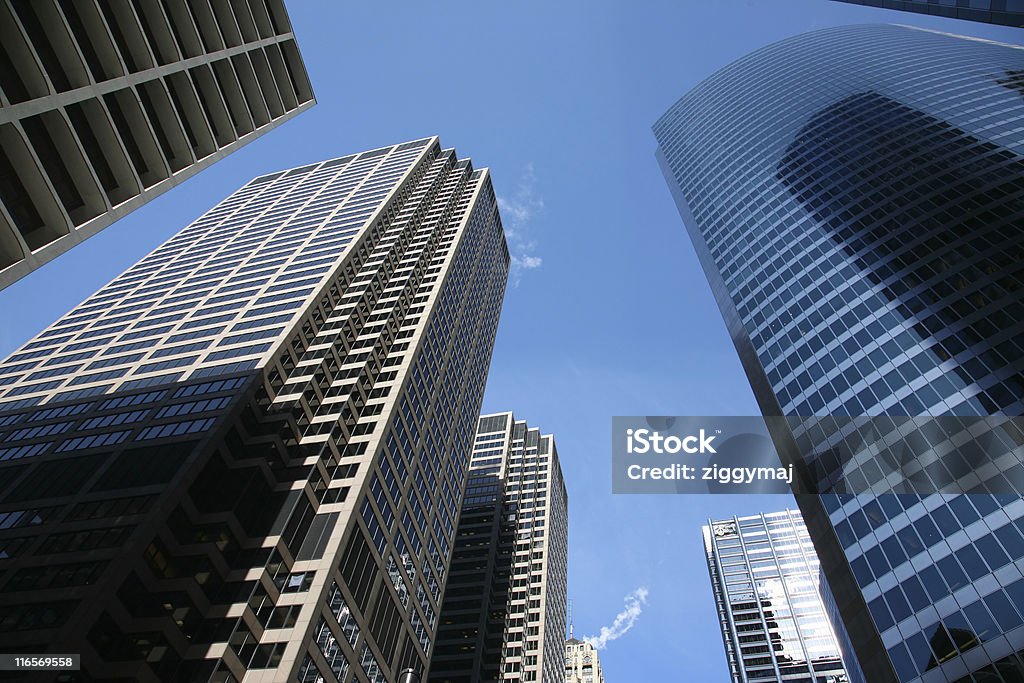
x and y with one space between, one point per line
517 213
624 620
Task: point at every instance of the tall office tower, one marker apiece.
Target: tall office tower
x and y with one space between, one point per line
243 458
1003 12
854 196
105 105
582 664
503 617
765 575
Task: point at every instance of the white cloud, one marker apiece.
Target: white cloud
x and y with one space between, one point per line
624 620
517 213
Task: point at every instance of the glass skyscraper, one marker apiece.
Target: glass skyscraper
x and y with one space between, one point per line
1002 12
765 576
105 105
246 454
503 617
855 196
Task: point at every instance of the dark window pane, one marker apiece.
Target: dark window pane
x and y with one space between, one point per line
1011 669
916 596
859 523
879 565
16 198
963 510
952 572
920 652
945 520
972 562
897 604
1016 592
894 551
1011 540
927 530
984 502
940 641
911 543
1005 614
902 662
984 626
961 631
891 505
992 552
880 613
933 583
861 571
845 534
873 511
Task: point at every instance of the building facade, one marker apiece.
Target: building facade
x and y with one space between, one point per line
854 197
765 579
503 617
582 664
244 457
104 106
1001 12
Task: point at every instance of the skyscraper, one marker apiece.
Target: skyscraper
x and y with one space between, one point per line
854 197
503 617
582 664
247 452
105 105
764 575
1002 12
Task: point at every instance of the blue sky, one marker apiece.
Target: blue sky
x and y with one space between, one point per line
609 312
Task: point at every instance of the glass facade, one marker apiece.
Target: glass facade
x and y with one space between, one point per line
503 617
855 198
1002 12
245 455
765 576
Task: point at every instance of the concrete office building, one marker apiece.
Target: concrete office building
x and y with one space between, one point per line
582 664
765 579
854 196
105 105
243 458
503 617
1001 12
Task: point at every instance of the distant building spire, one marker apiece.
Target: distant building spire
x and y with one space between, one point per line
570 618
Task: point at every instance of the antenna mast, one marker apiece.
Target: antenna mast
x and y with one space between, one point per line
570 618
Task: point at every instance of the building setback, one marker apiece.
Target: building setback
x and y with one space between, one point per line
503 617
764 576
244 457
854 196
105 105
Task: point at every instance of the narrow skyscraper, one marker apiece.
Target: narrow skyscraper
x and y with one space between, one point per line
244 457
855 196
105 105
764 575
503 617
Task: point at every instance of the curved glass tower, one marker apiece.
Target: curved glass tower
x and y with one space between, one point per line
856 198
